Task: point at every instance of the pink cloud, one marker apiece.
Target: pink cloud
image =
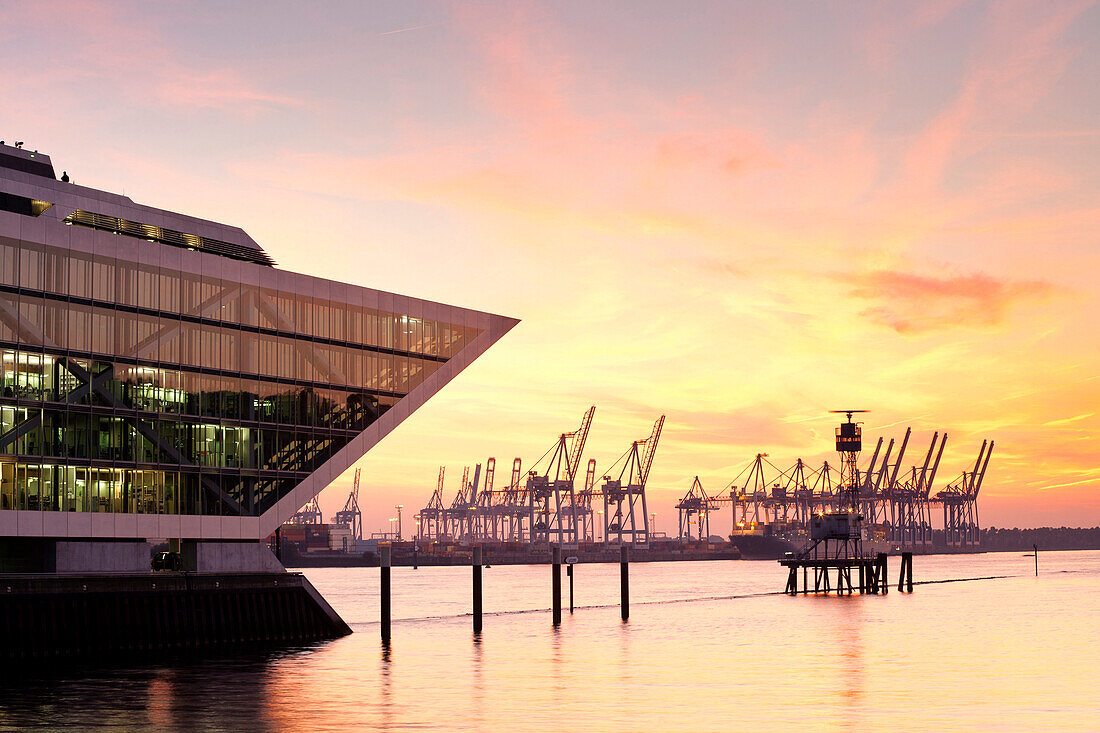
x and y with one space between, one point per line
220 89
130 56
1015 64
910 303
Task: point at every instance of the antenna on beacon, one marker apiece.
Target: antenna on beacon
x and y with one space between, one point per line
849 442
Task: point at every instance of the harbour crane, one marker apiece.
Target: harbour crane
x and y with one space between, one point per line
518 510
626 491
460 515
960 503
309 514
431 522
551 493
350 514
487 512
694 508
583 510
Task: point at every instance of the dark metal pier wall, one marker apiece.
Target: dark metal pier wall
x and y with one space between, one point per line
43 616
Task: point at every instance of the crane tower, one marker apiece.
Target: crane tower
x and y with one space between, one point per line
350 514
621 495
551 493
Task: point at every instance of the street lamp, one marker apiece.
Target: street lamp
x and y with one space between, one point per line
399 507
392 533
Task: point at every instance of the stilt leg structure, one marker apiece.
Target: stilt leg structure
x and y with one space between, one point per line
837 537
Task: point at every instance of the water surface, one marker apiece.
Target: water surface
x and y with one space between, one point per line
709 646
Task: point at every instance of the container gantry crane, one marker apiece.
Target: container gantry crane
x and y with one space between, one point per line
583 509
960 503
487 515
551 493
518 509
694 509
460 515
431 521
309 514
626 491
910 522
350 514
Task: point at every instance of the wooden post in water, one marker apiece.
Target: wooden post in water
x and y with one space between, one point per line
905 571
569 572
555 583
881 572
1036 548
477 589
384 565
624 580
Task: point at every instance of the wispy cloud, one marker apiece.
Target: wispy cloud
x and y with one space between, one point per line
911 303
220 89
136 60
406 30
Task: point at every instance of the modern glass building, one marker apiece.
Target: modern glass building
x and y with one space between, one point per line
161 378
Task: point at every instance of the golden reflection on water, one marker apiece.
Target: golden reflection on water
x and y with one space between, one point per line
850 641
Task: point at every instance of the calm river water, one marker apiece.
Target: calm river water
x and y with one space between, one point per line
700 652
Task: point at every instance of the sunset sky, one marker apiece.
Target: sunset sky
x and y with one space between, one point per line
740 215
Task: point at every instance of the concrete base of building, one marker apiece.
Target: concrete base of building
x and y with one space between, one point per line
108 556
246 556
50 617
45 555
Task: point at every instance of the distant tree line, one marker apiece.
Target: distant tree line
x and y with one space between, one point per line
1047 538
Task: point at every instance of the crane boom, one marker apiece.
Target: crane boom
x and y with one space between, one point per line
981 476
901 455
884 469
968 486
932 476
650 449
871 467
490 470
473 486
577 448
927 458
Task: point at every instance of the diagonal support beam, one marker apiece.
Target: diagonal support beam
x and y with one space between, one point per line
21 429
151 435
28 425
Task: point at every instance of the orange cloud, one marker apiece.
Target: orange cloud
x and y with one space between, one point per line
910 303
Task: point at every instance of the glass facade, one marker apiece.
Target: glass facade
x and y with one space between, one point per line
130 384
